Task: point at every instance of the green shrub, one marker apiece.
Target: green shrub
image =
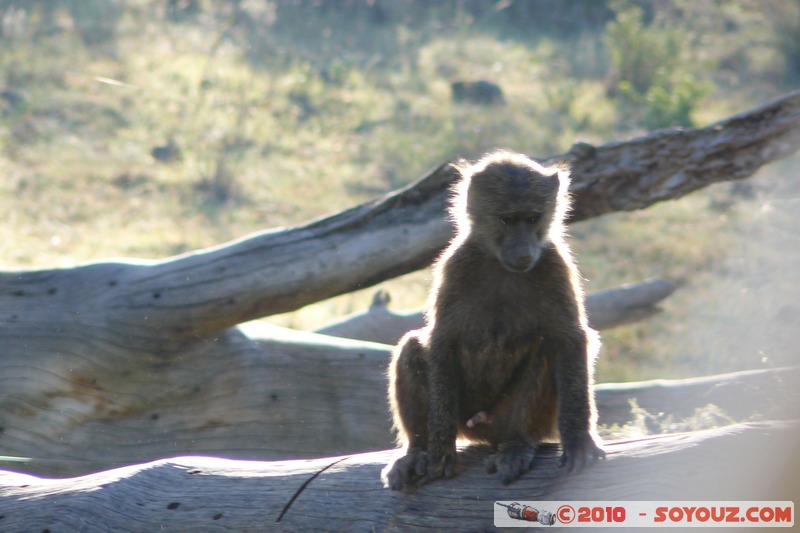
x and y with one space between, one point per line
651 71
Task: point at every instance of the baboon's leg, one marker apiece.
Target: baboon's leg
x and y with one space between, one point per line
409 401
576 423
512 459
524 417
409 383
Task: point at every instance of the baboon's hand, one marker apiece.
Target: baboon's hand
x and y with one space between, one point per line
441 464
406 471
511 460
578 451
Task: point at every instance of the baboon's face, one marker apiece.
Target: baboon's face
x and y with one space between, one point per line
510 210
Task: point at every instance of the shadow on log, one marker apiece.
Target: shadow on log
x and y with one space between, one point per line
744 462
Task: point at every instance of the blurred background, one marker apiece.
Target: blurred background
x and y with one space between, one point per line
148 128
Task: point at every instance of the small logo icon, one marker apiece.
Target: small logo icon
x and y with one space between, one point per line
565 514
529 514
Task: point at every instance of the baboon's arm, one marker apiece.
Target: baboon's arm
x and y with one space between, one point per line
444 388
575 402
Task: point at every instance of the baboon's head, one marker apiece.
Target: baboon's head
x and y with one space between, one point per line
512 206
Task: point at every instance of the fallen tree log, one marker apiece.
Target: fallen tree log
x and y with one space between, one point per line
769 393
313 396
200 293
606 309
749 462
126 361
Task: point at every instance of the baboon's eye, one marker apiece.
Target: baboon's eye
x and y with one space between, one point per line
532 218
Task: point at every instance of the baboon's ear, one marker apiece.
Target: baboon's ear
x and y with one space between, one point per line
552 184
563 180
461 167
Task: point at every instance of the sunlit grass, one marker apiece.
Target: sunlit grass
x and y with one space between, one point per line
316 114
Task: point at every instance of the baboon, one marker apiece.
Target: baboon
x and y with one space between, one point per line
506 355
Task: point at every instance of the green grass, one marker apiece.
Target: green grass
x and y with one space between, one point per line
286 116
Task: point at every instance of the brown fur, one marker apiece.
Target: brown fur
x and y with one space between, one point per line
506 355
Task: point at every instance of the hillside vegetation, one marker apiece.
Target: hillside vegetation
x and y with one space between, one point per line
150 128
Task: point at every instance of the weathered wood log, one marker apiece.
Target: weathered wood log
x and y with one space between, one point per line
313 396
377 324
613 307
127 361
668 164
274 393
744 462
201 293
606 309
770 393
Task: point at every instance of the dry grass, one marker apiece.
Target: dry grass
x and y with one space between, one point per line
302 119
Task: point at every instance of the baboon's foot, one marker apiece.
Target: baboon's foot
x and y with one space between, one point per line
441 464
406 471
511 460
580 451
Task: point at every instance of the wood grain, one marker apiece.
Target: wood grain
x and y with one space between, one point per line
345 493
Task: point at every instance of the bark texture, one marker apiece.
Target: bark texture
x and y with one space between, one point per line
345 493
